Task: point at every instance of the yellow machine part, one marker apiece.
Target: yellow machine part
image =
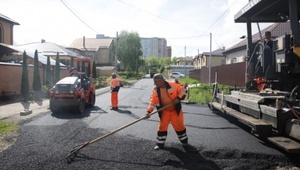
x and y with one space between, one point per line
296 50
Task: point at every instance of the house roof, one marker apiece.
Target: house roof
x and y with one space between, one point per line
218 52
276 29
215 53
186 59
7 19
92 44
43 59
50 49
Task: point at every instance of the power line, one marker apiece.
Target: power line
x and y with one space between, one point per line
78 16
158 16
216 22
221 16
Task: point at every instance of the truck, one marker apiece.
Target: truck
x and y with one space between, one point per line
270 101
152 70
74 92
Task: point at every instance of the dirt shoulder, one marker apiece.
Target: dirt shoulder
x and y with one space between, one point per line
8 139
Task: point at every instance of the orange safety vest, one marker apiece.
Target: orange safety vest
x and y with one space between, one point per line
174 91
115 85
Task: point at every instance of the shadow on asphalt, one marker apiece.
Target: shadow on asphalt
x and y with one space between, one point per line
70 114
189 158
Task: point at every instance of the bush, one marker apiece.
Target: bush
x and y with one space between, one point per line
202 93
101 81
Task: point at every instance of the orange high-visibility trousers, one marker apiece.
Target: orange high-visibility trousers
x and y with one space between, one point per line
114 99
175 119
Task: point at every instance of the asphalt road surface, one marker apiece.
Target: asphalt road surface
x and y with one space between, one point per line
216 140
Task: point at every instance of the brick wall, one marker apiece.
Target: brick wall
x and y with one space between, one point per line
11 77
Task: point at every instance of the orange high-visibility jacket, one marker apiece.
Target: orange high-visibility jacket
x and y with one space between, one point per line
174 91
115 85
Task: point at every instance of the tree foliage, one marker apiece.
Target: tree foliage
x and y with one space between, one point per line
94 69
48 72
174 59
25 81
129 50
36 85
57 68
89 69
161 63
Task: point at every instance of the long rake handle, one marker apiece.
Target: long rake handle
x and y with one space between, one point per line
123 127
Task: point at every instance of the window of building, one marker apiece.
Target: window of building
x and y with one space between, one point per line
234 60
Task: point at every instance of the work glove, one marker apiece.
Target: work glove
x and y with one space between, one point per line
176 101
147 115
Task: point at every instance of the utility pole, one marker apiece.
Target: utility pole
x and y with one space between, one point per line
209 65
116 56
199 65
185 60
136 64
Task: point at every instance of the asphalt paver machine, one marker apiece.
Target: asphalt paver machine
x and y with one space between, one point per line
270 101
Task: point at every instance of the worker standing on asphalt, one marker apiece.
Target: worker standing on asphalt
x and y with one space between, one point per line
163 94
114 87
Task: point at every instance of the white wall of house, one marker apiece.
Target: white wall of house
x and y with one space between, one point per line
236 57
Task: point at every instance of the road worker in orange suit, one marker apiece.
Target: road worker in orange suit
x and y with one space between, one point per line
163 94
114 87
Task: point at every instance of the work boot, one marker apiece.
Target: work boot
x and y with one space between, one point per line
185 145
158 147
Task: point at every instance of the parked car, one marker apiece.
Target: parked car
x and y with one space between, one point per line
176 75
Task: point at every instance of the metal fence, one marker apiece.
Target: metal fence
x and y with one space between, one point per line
230 74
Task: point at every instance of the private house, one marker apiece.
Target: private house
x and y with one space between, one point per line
11 58
6 29
51 49
100 50
182 65
202 60
237 53
14 54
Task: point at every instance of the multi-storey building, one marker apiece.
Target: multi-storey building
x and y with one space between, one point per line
154 47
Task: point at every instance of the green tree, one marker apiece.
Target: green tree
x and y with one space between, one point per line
129 50
36 85
57 68
165 61
94 69
151 60
25 81
89 69
48 72
174 59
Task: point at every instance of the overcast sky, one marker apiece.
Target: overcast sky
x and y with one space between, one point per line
186 24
